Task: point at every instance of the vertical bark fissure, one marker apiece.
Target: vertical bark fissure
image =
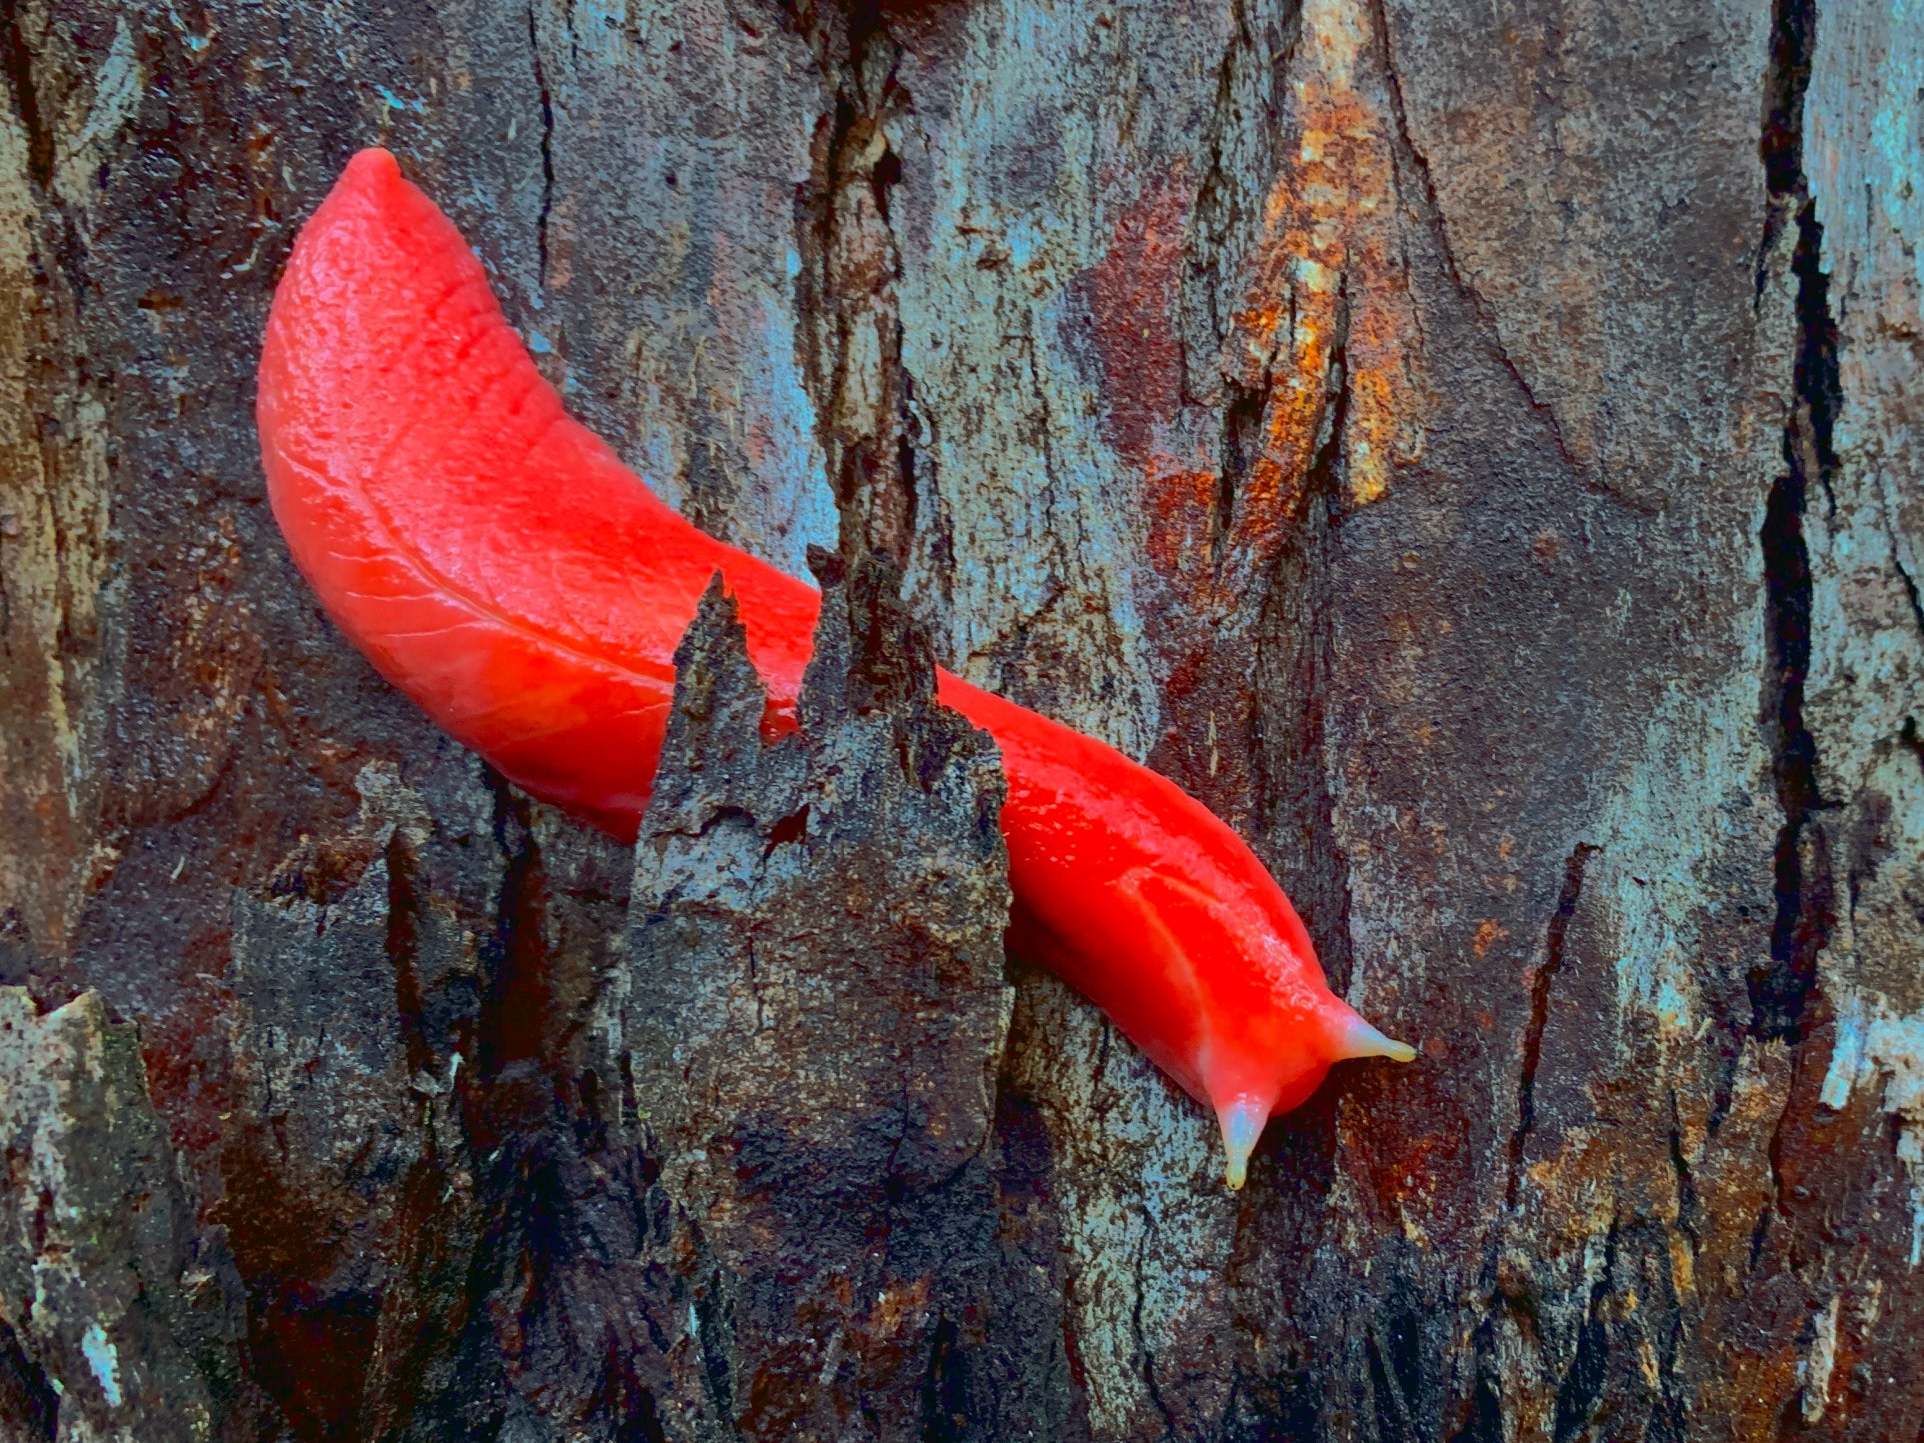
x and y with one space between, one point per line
1910 586
1583 1382
1218 210
28 1401
1803 884
1689 1207
547 148
852 261
1296 637
1391 1399
1141 1334
1479 305
511 1021
1555 938
1206 227
1242 437
16 60
1913 743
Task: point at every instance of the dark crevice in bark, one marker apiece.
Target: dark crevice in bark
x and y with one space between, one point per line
16 58
944 1396
515 1011
1295 642
1803 884
1325 475
1243 408
1225 199
1392 1408
1141 1335
560 1318
1553 951
29 1407
1779 1207
1402 1342
1689 1207
1913 743
1910 587
1781 146
1483 1418
1209 220
1583 1384
547 148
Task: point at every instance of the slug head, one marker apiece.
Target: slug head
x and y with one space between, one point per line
1267 1026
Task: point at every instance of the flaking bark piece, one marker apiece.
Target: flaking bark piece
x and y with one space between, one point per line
813 1021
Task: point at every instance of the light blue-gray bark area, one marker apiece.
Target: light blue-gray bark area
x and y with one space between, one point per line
1474 448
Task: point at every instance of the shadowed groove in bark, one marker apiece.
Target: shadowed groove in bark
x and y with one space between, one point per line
16 58
1242 441
1295 650
516 1009
547 147
27 1400
1483 1422
1804 892
1583 1382
1546 975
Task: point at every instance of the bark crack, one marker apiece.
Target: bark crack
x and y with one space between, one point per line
1555 939
1583 1383
1803 883
1480 306
1688 1207
1912 741
1910 586
547 148
16 58
1143 1349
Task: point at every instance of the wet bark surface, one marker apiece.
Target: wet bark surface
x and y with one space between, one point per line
1475 450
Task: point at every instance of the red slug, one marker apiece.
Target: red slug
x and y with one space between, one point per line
497 563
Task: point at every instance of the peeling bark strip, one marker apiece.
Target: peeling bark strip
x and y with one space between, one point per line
1394 418
813 1021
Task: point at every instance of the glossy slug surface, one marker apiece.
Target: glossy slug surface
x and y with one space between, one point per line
497 563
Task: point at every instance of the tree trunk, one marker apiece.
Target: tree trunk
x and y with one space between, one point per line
1477 450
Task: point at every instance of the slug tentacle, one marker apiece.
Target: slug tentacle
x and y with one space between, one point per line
1357 1038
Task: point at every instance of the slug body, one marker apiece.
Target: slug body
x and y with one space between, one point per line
495 561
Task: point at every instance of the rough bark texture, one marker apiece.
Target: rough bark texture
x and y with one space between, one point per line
1474 448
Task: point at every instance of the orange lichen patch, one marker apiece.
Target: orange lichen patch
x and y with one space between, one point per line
1488 934
1329 306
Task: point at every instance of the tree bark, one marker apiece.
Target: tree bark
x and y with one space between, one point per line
1477 450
